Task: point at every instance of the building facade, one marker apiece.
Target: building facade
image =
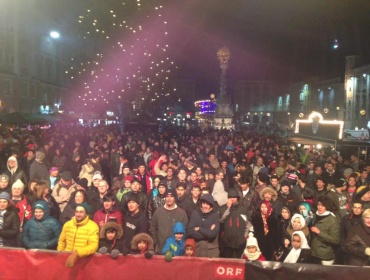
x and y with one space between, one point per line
357 91
255 100
32 63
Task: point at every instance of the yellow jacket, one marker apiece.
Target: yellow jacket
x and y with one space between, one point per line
82 237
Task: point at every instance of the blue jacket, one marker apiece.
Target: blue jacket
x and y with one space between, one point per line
176 247
43 233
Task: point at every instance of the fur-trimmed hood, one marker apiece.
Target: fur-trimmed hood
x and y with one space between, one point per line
141 236
270 190
114 225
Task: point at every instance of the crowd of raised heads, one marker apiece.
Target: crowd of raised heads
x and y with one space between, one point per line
182 192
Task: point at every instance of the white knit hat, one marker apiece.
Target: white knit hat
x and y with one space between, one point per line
252 241
18 184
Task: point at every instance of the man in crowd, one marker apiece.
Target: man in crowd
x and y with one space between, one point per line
80 235
63 189
164 219
135 220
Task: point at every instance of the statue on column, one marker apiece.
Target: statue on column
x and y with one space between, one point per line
224 113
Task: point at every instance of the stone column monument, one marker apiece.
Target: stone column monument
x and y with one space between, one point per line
224 112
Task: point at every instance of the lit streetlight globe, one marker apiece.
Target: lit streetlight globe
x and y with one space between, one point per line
54 34
213 95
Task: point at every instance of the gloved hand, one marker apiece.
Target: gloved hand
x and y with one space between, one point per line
125 251
114 253
367 251
149 254
71 260
168 256
103 250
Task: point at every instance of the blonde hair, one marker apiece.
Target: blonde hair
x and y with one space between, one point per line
39 189
365 214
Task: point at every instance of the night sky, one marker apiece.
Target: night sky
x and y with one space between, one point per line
287 40
273 40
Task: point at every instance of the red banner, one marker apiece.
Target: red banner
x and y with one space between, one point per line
29 264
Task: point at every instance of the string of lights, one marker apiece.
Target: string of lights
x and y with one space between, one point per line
125 54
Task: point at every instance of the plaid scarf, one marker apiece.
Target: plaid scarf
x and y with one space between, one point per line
266 216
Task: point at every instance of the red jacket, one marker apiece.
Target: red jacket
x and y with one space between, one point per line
148 179
103 216
25 210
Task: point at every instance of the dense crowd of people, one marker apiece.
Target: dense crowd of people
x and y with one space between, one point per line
181 192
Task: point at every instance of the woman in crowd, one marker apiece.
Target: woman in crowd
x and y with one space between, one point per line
305 210
266 230
77 197
42 192
43 230
283 238
357 244
9 221
297 223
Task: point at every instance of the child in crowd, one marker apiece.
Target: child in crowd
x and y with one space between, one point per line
190 247
175 244
110 239
142 244
252 252
300 252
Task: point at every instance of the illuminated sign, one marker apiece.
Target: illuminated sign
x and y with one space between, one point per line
316 125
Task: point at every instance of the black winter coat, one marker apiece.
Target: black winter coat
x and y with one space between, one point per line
355 245
114 244
270 242
11 226
234 227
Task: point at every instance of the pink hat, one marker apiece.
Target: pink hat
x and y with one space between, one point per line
54 168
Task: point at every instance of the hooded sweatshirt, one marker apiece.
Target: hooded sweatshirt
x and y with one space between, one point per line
176 247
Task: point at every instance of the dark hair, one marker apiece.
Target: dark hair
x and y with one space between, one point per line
274 177
160 177
326 202
136 180
196 186
302 177
319 178
317 166
245 180
83 192
122 156
181 184
200 181
163 163
109 197
181 168
110 229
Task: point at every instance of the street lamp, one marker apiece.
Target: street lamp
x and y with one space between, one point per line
54 34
